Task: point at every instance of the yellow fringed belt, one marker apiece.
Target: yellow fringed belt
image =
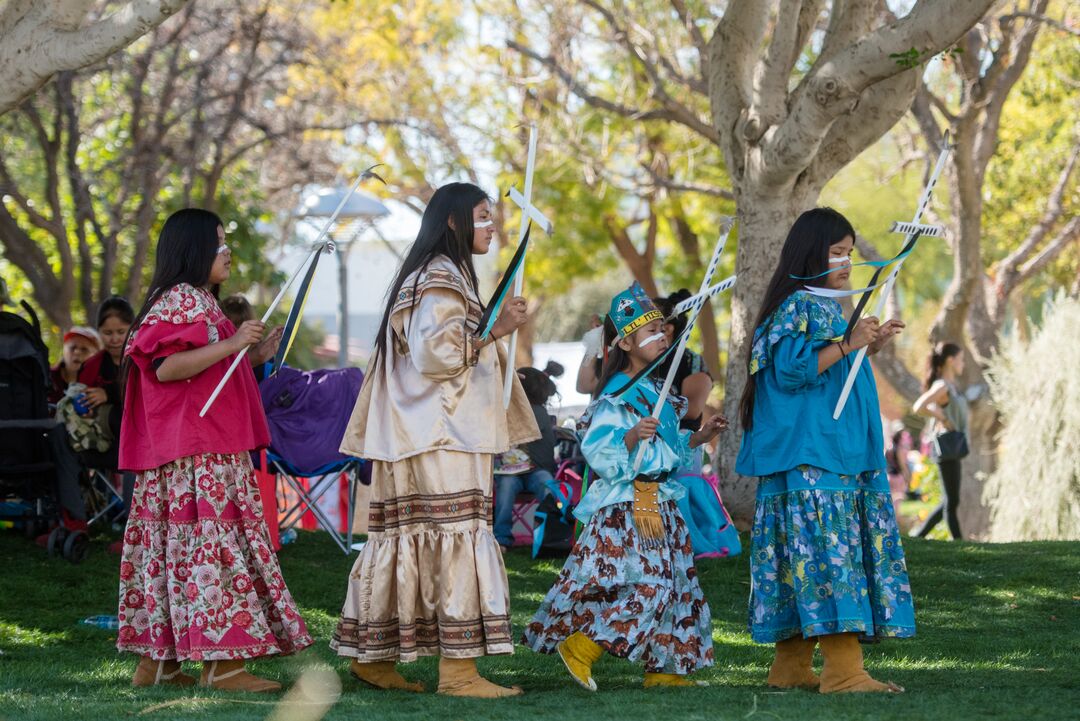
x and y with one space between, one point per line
647 520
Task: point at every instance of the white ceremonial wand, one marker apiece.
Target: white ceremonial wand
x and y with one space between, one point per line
694 312
524 201
915 229
318 247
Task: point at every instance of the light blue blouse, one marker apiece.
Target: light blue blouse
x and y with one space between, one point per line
602 431
793 403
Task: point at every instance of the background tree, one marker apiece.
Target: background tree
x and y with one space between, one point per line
1011 209
204 111
795 90
39 38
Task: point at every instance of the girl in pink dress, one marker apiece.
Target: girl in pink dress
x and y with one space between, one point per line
198 578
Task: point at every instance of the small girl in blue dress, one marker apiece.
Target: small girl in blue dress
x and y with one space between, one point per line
826 563
629 586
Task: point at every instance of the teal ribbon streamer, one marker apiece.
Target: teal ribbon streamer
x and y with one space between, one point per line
491 313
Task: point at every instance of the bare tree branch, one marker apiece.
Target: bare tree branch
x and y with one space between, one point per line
924 116
680 113
836 85
773 73
639 263
1039 17
1068 235
1013 57
579 89
883 105
43 42
732 49
1009 274
694 31
670 184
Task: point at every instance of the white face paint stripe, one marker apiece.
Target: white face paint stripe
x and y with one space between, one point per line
837 261
651 339
483 223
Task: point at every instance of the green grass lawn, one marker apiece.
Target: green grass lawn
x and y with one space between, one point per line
999 637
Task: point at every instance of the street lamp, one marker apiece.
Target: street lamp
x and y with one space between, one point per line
359 213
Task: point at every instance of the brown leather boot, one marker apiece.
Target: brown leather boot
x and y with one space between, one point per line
231 676
166 673
383 675
458 677
793 665
843 671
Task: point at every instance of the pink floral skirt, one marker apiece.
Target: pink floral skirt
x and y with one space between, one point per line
198 578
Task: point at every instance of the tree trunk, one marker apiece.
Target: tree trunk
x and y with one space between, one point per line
764 216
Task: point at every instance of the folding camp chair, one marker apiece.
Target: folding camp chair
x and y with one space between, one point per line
320 481
104 501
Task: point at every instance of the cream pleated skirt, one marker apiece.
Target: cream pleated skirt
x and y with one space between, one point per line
430 579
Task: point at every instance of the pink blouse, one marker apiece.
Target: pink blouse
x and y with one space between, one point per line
161 419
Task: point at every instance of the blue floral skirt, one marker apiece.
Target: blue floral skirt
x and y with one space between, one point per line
635 603
826 558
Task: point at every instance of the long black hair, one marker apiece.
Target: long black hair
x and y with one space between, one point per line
537 384
115 306
186 250
805 253
938 355
453 201
616 360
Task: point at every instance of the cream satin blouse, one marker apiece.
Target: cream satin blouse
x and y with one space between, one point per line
430 393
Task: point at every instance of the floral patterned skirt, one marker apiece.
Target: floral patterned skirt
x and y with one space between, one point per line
198 578
635 603
826 558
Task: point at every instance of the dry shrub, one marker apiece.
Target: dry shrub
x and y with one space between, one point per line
1035 492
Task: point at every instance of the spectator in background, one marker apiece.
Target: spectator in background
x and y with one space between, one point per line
101 372
589 370
80 343
529 467
944 402
101 375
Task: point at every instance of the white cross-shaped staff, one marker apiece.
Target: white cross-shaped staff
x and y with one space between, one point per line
528 212
909 228
317 247
695 302
702 296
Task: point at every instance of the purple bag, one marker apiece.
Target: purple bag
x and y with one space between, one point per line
308 411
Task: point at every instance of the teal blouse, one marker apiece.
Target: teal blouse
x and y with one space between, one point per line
602 430
793 403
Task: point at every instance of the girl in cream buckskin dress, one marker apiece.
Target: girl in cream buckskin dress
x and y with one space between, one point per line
430 580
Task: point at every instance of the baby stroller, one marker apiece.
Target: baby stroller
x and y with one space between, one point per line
27 471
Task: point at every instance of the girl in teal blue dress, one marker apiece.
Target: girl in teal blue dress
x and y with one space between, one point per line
629 586
827 565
